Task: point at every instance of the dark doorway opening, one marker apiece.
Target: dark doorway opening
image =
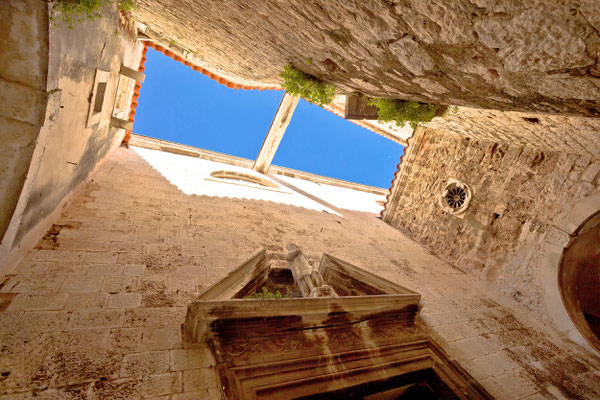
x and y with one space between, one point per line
419 385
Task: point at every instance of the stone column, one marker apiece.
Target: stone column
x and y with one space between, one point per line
309 281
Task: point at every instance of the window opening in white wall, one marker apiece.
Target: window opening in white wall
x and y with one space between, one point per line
99 91
241 177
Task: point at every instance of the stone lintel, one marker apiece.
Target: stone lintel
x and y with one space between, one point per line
121 123
132 73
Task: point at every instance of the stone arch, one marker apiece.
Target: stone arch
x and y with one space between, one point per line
579 279
557 239
240 176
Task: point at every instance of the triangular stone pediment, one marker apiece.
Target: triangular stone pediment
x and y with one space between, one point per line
334 330
362 296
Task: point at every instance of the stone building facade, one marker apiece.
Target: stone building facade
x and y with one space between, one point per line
103 250
475 53
549 133
96 309
519 195
52 138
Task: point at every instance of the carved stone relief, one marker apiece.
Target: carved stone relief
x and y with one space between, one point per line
348 335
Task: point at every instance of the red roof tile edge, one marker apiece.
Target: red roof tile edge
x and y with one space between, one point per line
387 197
136 94
169 53
203 71
222 81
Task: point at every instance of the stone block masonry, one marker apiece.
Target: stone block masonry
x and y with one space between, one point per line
507 55
518 193
549 133
51 71
122 338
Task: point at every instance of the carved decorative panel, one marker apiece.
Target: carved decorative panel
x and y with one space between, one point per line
354 333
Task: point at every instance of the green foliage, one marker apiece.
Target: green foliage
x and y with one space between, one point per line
265 294
71 12
451 110
307 86
402 111
127 5
308 61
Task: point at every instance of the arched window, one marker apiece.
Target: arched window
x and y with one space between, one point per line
240 176
579 279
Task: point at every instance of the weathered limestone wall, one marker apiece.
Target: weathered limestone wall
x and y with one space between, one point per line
75 149
554 133
67 150
96 309
23 96
507 55
518 192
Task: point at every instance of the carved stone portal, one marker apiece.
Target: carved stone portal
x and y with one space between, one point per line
337 332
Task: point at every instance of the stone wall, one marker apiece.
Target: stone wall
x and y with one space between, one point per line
95 311
67 148
554 133
75 148
518 192
23 95
508 55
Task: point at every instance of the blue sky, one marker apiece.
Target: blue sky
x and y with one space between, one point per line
184 106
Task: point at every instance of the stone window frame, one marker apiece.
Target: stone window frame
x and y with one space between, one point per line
98 98
123 95
443 202
125 90
275 362
244 179
555 242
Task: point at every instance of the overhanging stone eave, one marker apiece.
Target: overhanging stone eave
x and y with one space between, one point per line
302 313
384 50
305 306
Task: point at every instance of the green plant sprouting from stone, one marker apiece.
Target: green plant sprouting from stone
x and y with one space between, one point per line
307 86
403 111
71 12
266 294
451 110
